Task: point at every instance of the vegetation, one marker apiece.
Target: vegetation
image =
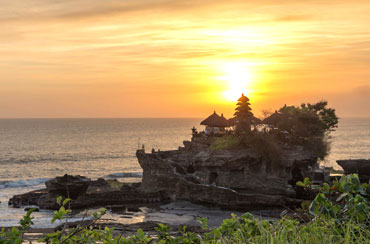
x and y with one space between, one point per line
340 213
308 125
264 144
225 142
114 183
345 200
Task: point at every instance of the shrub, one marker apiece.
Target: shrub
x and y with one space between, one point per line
266 145
225 142
345 200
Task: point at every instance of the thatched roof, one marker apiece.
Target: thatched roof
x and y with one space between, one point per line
274 118
243 98
254 120
215 120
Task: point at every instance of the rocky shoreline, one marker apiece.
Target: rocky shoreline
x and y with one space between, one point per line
200 179
98 193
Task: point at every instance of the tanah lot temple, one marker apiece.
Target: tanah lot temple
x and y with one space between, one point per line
215 124
219 125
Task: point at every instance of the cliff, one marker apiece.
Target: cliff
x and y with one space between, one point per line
232 178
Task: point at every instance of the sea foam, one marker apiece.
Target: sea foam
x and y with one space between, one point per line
22 183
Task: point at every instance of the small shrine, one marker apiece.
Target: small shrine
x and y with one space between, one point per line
215 124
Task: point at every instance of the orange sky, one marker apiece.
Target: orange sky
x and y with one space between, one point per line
146 58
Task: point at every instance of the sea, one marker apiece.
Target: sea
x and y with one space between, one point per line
33 151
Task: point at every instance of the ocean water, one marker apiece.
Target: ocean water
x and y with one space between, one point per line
35 150
351 140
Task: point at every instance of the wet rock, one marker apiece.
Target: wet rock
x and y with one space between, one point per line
67 186
99 183
27 199
98 194
357 166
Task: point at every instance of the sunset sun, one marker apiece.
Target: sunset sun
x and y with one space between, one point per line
238 77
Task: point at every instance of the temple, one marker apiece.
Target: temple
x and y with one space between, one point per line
215 124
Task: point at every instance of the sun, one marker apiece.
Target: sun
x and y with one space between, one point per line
238 77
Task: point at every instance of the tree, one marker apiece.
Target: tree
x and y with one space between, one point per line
327 116
266 113
243 115
309 125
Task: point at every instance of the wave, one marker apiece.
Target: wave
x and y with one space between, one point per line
69 158
39 181
124 175
23 183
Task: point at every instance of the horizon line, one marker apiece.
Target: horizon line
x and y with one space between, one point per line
5 118
100 117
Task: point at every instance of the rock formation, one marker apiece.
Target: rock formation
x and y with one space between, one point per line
230 178
98 194
67 186
357 166
237 179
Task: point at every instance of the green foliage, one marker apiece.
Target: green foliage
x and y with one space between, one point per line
80 234
308 125
15 235
225 142
346 200
328 118
266 145
248 229
306 183
115 183
204 222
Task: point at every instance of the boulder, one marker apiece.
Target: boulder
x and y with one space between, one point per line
356 166
67 186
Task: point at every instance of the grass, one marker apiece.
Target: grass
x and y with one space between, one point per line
115 183
266 145
225 142
247 229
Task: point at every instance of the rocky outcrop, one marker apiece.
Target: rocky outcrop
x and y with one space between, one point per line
67 186
237 179
27 199
98 194
357 166
230 178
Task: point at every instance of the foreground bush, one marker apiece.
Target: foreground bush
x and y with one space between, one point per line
340 213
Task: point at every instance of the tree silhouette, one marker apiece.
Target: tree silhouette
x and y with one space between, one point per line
243 115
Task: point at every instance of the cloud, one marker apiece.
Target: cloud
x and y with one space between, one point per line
82 9
295 17
363 91
298 47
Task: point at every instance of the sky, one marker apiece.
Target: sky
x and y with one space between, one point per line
146 58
